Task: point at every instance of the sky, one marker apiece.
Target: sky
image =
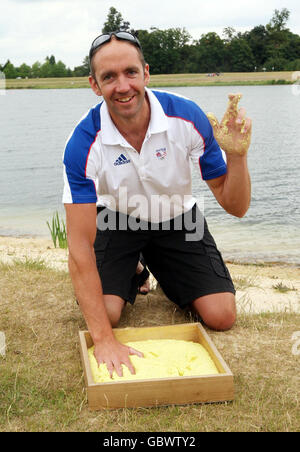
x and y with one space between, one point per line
30 30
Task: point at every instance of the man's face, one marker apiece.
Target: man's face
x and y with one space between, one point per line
120 78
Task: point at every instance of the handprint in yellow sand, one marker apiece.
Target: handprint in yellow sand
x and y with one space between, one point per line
234 132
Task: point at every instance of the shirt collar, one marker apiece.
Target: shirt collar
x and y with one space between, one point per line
158 121
109 132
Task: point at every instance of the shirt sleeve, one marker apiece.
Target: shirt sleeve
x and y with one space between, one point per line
205 151
80 169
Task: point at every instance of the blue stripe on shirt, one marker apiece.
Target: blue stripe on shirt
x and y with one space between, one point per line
76 154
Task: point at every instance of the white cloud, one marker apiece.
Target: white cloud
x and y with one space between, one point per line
33 29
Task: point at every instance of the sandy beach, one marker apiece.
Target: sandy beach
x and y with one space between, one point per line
260 288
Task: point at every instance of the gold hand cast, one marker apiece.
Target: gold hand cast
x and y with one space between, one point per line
234 133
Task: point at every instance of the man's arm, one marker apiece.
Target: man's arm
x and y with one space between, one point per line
233 189
81 231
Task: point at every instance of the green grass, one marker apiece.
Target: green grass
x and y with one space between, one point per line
242 282
58 231
280 287
41 376
30 264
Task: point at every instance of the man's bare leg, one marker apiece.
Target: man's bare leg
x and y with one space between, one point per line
218 311
114 307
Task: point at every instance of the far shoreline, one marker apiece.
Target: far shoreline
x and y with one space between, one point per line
167 80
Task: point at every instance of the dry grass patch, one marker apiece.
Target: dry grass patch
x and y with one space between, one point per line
283 288
41 378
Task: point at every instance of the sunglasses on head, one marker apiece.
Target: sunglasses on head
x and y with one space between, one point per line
122 35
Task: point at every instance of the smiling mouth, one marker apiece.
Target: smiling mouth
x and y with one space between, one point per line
125 100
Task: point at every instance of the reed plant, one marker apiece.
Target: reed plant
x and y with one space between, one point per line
58 231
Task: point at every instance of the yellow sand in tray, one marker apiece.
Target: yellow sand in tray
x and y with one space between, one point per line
162 358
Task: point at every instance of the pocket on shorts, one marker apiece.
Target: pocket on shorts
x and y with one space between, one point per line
219 267
215 258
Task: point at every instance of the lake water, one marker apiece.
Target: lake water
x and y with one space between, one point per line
34 126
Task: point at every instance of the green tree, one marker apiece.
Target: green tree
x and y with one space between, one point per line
165 50
24 70
36 70
154 50
46 69
114 21
210 53
278 34
59 69
240 56
51 60
257 39
276 64
3 67
176 41
9 70
278 21
83 70
293 65
229 34
191 64
126 26
291 47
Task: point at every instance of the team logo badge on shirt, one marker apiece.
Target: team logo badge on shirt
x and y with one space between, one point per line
121 160
161 153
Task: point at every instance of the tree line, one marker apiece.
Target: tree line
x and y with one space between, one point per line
265 47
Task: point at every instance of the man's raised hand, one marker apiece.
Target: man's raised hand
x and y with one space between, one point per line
234 132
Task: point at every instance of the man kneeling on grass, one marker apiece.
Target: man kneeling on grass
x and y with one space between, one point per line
128 190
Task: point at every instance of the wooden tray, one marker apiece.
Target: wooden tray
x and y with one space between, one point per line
159 391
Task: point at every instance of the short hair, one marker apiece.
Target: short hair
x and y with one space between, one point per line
139 50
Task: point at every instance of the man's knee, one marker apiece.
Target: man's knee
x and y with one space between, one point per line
218 311
222 321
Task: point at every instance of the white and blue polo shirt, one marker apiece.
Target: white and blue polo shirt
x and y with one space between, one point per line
101 167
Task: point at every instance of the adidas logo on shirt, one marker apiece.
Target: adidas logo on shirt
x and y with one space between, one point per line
121 160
